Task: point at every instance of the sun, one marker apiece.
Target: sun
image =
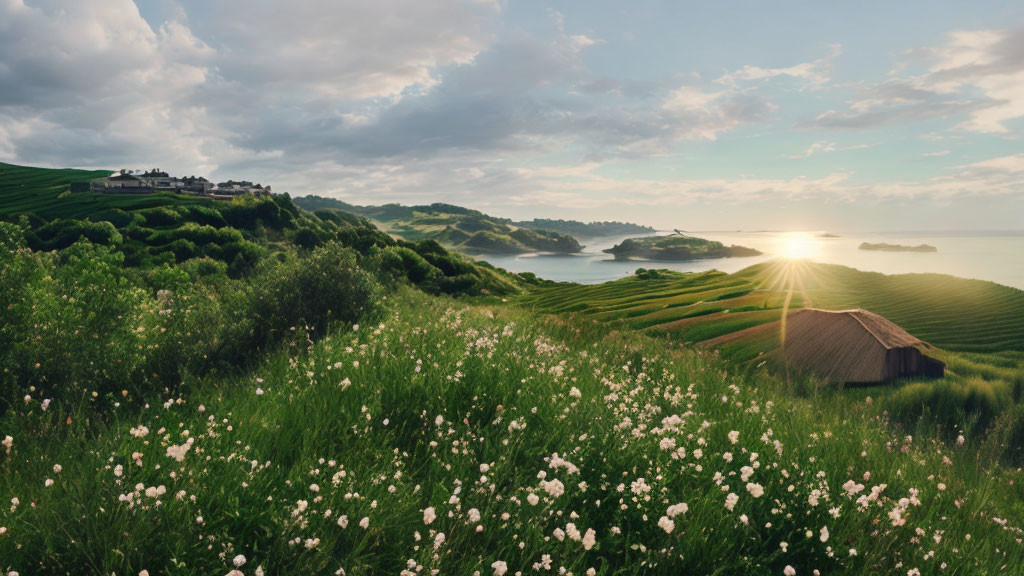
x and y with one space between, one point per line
798 246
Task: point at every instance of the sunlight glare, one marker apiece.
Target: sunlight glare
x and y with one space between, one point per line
798 245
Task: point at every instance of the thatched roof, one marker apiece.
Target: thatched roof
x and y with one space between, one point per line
847 345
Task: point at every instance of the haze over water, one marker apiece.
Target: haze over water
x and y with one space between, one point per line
996 256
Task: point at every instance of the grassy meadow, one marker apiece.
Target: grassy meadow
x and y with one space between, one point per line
470 438
344 402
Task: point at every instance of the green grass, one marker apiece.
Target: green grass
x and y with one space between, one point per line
969 316
470 409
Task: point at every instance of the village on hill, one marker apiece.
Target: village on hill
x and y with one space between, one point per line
151 181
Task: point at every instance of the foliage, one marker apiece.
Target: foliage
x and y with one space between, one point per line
465 438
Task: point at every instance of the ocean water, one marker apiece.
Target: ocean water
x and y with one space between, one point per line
996 256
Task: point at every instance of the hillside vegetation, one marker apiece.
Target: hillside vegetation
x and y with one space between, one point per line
676 249
460 228
474 232
464 439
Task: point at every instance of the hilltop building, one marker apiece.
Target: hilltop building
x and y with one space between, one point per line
155 180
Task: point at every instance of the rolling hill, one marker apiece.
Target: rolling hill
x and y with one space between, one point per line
474 232
979 325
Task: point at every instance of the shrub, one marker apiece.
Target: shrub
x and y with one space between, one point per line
324 287
972 404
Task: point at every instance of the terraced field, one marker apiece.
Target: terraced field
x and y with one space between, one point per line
47 193
964 316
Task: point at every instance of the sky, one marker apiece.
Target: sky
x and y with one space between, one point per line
840 116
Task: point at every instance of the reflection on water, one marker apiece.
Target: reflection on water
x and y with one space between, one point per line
996 257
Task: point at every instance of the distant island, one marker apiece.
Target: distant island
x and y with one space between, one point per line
676 248
883 247
829 235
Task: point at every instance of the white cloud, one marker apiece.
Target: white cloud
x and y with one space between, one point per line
815 72
977 74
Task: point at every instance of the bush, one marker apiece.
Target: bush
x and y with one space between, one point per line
313 291
74 326
401 262
972 404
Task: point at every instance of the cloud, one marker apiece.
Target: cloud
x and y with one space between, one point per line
977 75
816 72
824 146
935 154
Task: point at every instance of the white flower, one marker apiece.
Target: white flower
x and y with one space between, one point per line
499 568
533 499
429 515
238 561
756 490
824 534
789 571
677 509
365 522
474 515
666 524
589 539
731 500
343 521
734 436
553 487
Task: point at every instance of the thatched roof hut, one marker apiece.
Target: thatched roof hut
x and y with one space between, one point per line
854 346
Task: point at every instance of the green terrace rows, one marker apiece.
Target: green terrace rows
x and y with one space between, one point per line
950 313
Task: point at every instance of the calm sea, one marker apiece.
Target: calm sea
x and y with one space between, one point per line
997 256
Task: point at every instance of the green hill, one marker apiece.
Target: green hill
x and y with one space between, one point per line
952 313
464 229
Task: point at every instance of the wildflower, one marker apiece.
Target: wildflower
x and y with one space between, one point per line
7 443
824 534
238 561
677 509
533 499
734 436
731 500
756 490
589 539
57 468
259 391
789 571
178 452
429 515
666 524
474 515
365 522
48 482
555 488
343 521
499 568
